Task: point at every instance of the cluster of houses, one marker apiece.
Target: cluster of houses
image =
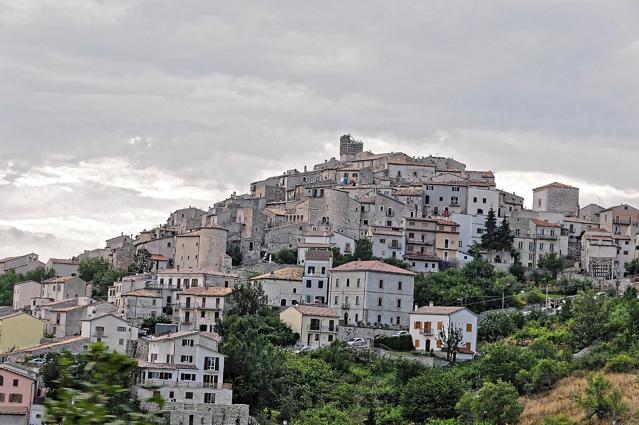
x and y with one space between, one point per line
429 212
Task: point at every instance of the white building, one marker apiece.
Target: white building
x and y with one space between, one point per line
200 308
625 252
63 267
283 287
187 367
480 200
127 284
372 292
315 280
63 288
116 333
427 322
316 326
142 304
599 254
388 242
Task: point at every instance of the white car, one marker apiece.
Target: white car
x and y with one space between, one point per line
38 361
400 333
357 342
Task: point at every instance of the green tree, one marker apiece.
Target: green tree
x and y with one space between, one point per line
363 250
504 237
489 239
141 262
589 319
502 361
431 395
496 403
99 272
552 263
602 399
286 256
632 267
150 322
325 415
248 299
96 390
450 339
495 326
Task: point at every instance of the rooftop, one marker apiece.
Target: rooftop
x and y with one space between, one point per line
61 279
316 255
288 273
544 223
209 272
372 266
316 311
438 310
48 345
555 185
144 293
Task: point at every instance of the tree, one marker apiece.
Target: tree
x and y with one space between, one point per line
96 390
502 361
325 415
495 403
504 237
450 339
495 326
363 250
150 322
99 272
248 299
286 256
552 263
602 399
489 237
632 267
141 262
431 395
589 319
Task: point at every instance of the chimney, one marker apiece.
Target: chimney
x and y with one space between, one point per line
415 307
431 304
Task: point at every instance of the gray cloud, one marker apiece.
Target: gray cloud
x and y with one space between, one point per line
114 113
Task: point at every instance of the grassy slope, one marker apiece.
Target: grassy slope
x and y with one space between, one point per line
561 400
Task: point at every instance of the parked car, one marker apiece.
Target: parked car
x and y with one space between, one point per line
357 342
400 333
38 361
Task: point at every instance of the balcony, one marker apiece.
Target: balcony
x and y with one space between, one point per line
324 329
346 306
427 332
172 383
547 237
394 246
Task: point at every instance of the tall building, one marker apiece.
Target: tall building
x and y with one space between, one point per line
349 147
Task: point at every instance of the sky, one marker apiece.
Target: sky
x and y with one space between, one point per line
115 113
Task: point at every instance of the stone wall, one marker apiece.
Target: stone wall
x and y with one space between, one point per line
346 333
234 414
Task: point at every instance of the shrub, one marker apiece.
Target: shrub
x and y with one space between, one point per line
397 343
621 363
558 420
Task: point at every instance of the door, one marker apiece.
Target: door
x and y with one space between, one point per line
427 348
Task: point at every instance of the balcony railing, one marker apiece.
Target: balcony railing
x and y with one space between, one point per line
547 237
324 328
346 306
427 331
394 246
172 383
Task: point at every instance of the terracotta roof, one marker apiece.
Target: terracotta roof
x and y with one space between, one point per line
554 185
315 255
315 245
372 266
61 279
622 237
158 258
578 220
465 350
408 191
66 309
447 223
64 341
210 292
438 310
145 293
316 311
544 223
288 273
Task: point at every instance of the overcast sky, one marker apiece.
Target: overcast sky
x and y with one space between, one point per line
114 113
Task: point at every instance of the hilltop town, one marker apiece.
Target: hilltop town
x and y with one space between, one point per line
351 250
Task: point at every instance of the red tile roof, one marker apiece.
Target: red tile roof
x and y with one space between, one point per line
287 273
372 266
438 310
544 223
316 311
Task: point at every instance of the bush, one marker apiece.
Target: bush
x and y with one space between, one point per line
621 363
431 395
496 403
495 326
397 343
558 420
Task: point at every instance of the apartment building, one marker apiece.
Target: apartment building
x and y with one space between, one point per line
556 198
619 220
599 254
19 330
316 326
317 264
283 287
447 240
115 332
24 293
186 367
18 388
372 292
64 288
199 308
388 242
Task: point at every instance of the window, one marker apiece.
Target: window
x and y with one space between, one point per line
209 398
336 300
483 201
187 377
440 326
469 327
417 325
121 329
189 396
399 285
358 282
1 397
348 283
15 398
455 188
309 284
416 343
1 380
320 284
399 303
202 314
337 283
379 301
154 358
381 284
186 359
121 341
16 382
475 199
187 343
379 318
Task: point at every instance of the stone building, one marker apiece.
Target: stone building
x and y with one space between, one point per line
509 203
557 198
619 220
283 287
591 212
63 267
204 248
20 264
599 254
